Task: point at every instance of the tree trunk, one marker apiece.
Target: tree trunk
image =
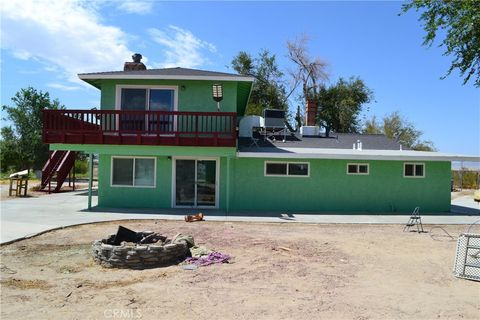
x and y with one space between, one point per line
327 131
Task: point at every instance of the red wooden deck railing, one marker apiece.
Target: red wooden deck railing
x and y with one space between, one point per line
128 127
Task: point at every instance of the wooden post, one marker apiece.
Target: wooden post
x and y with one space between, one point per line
228 186
26 183
90 181
10 189
73 175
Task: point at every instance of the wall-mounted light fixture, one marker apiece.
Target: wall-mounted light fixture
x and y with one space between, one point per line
217 94
182 87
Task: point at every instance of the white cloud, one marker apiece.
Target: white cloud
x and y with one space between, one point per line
136 7
22 54
64 34
63 87
182 48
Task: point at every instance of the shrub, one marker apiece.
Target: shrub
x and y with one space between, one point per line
81 166
470 178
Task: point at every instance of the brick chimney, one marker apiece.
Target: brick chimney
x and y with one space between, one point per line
311 113
136 64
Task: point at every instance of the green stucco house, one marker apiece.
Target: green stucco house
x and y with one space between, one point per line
164 142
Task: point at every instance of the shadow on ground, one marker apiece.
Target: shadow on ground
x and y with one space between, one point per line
455 210
461 210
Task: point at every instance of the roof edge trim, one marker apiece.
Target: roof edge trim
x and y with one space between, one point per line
360 156
86 76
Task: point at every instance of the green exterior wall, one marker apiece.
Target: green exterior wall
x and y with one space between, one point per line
130 197
197 95
126 150
158 197
329 188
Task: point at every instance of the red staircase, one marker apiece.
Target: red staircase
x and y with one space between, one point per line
56 169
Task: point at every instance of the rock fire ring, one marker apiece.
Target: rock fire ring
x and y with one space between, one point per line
139 256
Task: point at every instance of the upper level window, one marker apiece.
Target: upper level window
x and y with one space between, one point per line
292 169
414 170
138 98
154 99
358 168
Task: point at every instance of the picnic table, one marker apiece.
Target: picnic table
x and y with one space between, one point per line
18 183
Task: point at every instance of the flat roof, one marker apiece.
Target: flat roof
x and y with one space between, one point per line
334 141
351 154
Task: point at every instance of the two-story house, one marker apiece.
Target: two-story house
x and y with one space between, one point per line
164 142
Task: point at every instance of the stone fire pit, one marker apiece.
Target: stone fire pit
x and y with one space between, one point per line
139 255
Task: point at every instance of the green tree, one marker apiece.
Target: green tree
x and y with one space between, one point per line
341 104
9 156
268 89
396 127
21 144
460 21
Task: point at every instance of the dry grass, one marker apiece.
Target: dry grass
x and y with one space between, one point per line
25 284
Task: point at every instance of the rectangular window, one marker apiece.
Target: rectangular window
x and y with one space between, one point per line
147 99
134 172
276 168
292 169
298 169
161 100
133 98
358 168
122 172
414 170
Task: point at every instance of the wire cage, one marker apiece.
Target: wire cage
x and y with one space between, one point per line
467 257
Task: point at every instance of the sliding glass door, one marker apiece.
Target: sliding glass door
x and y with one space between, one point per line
135 98
195 183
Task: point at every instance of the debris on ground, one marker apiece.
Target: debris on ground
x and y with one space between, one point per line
211 258
189 267
194 217
129 236
184 237
200 255
195 251
198 251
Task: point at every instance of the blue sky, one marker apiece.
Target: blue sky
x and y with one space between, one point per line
46 43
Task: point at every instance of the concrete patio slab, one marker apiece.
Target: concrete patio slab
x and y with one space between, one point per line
25 217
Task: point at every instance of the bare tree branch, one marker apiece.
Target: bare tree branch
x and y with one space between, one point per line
310 72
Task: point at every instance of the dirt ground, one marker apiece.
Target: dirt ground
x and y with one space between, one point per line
33 187
464 192
278 271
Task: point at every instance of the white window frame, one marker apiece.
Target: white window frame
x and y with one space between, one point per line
358 173
118 98
414 170
133 182
287 175
119 87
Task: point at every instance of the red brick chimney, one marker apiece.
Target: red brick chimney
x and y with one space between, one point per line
136 64
311 113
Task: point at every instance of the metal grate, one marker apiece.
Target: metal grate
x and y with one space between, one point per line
467 257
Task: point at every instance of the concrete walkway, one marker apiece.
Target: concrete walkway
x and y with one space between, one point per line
24 217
